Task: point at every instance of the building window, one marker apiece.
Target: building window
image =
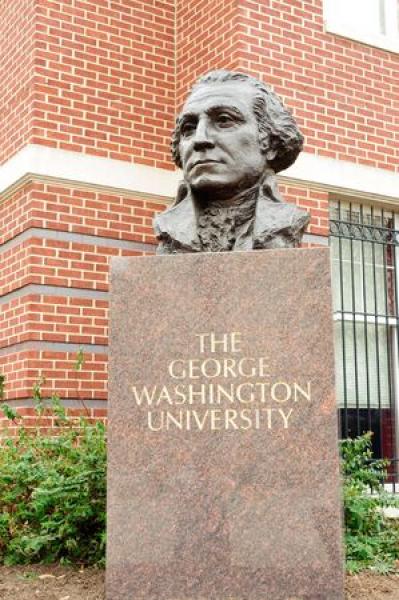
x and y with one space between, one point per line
364 245
373 22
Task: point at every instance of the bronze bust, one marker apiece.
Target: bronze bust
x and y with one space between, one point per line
231 138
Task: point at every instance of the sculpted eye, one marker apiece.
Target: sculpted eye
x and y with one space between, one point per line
225 120
187 129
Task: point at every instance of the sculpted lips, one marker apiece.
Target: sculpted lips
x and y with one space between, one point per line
205 161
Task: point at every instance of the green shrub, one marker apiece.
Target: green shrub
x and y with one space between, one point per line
371 540
52 489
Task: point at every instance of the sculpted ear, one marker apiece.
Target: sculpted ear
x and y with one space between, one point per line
266 145
271 154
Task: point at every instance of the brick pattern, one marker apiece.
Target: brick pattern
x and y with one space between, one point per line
14 212
54 260
104 78
343 93
96 213
17 24
207 37
23 369
312 200
54 319
60 263
76 210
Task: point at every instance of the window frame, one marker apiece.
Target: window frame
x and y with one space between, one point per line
366 336
387 41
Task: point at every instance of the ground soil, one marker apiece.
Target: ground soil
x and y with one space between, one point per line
58 583
367 586
51 583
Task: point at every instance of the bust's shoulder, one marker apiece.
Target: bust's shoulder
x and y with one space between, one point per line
279 219
178 224
175 217
269 212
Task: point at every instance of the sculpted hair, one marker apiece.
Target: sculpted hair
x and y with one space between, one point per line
278 130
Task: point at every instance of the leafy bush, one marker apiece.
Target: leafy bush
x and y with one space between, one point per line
372 540
52 488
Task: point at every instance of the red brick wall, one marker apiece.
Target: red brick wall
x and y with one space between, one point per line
15 212
17 22
23 369
56 318
344 94
105 78
72 209
207 38
112 225
88 76
313 200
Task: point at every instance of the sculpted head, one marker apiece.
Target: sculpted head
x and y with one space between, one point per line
232 128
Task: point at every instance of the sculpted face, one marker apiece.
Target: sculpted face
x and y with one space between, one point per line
219 143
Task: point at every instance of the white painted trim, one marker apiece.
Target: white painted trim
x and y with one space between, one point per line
333 175
339 22
377 41
344 176
83 168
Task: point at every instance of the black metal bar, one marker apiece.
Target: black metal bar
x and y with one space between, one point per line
341 283
377 345
365 329
396 400
371 231
387 335
354 333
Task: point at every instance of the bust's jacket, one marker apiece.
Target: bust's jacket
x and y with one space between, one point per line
276 225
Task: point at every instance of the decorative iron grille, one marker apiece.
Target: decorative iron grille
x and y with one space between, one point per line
364 246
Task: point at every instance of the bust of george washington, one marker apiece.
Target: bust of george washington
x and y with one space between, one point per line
231 138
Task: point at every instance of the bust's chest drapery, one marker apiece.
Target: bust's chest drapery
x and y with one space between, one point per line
257 224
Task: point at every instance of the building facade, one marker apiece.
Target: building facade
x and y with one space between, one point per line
90 92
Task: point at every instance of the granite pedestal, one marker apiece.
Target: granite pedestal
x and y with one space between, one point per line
223 464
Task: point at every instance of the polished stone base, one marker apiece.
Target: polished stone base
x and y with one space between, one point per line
223 463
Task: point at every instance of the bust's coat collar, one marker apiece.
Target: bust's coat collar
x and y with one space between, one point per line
179 224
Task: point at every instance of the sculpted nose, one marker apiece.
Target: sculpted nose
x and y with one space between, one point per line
202 139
